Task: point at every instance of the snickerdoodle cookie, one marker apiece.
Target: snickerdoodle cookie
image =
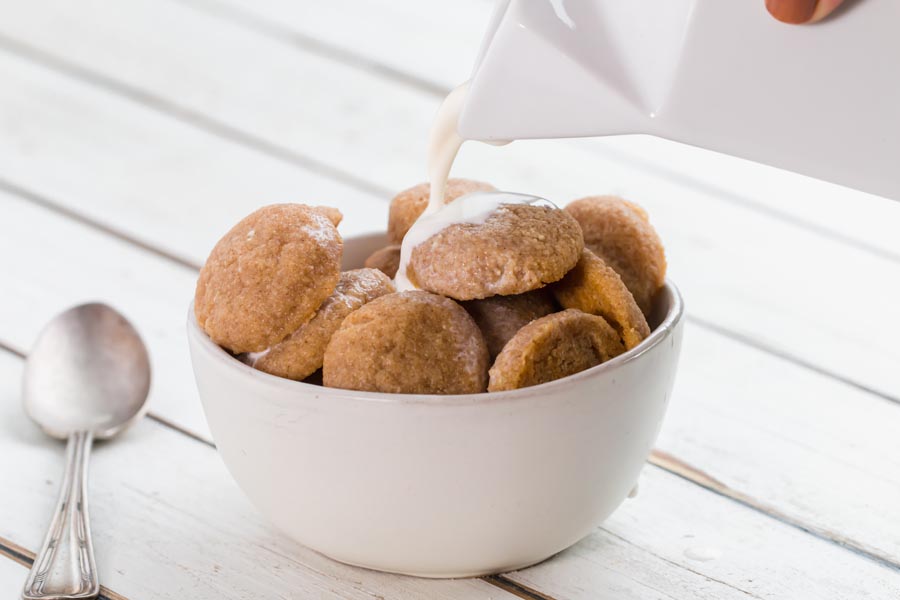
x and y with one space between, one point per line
408 343
301 353
268 275
386 260
620 233
410 203
595 288
552 347
500 317
515 249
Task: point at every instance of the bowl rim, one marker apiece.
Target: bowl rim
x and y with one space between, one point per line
228 361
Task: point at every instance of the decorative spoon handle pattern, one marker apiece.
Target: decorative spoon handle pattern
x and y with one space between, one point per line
64 568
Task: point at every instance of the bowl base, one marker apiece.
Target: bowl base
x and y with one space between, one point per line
445 574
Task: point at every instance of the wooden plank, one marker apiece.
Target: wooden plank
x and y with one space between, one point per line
426 40
732 279
159 181
383 33
168 522
12 577
671 531
790 441
736 411
445 41
14 564
421 33
50 263
178 527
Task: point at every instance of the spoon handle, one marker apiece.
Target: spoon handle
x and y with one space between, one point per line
64 569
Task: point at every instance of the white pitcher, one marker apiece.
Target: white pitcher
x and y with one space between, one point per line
822 99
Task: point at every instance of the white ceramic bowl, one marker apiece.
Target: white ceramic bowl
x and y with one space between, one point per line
440 486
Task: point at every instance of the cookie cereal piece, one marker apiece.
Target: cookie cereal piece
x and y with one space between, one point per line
620 233
595 288
500 317
268 275
386 260
301 354
552 347
408 343
409 204
516 249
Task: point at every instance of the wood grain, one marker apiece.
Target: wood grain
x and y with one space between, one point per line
739 266
131 120
736 411
693 533
12 579
191 533
445 43
168 522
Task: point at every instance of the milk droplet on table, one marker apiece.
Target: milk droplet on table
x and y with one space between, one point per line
702 553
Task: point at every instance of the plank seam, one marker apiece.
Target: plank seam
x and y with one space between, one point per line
746 202
710 484
262 145
187 116
348 57
12 350
677 467
150 415
273 31
25 557
679 565
514 587
659 459
48 204
761 346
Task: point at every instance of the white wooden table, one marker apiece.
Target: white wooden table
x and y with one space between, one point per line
133 133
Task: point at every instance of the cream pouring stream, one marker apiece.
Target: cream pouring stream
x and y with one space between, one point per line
444 142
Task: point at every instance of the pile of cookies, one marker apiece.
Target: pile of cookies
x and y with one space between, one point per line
530 294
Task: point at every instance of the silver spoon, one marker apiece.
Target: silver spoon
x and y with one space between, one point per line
86 378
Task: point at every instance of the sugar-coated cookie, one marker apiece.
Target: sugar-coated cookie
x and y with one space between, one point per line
386 260
595 288
410 203
516 249
408 343
301 353
552 347
268 275
500 317
620 233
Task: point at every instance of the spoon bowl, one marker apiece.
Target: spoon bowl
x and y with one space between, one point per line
88 371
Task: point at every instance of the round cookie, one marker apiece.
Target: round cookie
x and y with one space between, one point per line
410 203
500 317
595 288
301 353
552 347
386 260
518 248
620 233
408 343
267 276
333 214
